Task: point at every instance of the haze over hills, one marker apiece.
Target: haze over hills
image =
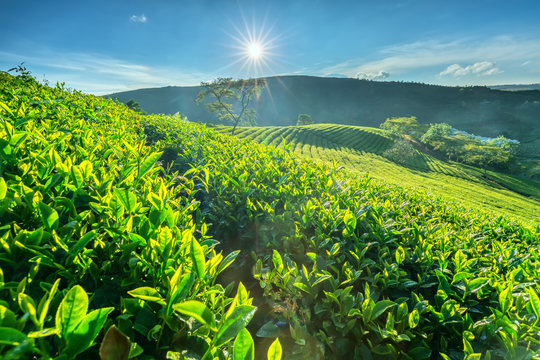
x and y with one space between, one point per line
516 87
479 110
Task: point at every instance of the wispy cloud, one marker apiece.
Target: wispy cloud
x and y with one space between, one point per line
138 18
435 56
99 74
480 68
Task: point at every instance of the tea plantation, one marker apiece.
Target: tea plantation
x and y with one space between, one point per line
362 150
127 236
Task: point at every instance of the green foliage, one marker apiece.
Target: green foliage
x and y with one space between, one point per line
347 267
304 119
86 206
228 93
274 351
360 150
495 153
135 106
402 152
401 126
436 133
424 262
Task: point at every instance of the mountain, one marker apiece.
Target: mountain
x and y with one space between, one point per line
516 87
479 110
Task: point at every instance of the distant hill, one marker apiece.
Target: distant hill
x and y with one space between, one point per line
516 87
479 110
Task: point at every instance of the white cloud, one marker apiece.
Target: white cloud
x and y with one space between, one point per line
138 18
478 68
99 74
381 75
430 56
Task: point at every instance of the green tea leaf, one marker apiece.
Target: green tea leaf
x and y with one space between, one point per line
9 336
302 287
127 199
460 276
72 310
232 325
81 244
243 348
3 188
44 333
274 351
268 330
196 310
76 176
476 284
506 298
420 353
535 303
137 239
82 337
443 282
148 294
86 168
320 279
7 317
227 261
181 289
380 307
197 256
49 216
400 255
148 163
350 221
28 306
414 319
278 262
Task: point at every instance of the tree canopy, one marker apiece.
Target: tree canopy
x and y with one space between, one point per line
304 119
232 99
436 132
135 106
496 153
400 126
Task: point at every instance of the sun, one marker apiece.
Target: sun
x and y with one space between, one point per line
255 50
254 47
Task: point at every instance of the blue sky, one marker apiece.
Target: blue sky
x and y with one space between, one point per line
107 46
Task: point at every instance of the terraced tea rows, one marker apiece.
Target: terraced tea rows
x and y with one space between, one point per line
158 238
361 149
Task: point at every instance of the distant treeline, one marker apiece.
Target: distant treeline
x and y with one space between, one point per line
477 109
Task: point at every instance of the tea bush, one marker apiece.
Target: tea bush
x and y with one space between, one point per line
110 220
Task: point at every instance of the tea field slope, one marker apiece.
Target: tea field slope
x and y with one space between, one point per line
128 236
360 149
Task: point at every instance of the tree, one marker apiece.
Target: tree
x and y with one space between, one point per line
400 126
485 156
436 133
135 106
402 152
230 94
304 119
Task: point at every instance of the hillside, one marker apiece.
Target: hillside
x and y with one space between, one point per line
129 236
516 87
478 110
360 149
